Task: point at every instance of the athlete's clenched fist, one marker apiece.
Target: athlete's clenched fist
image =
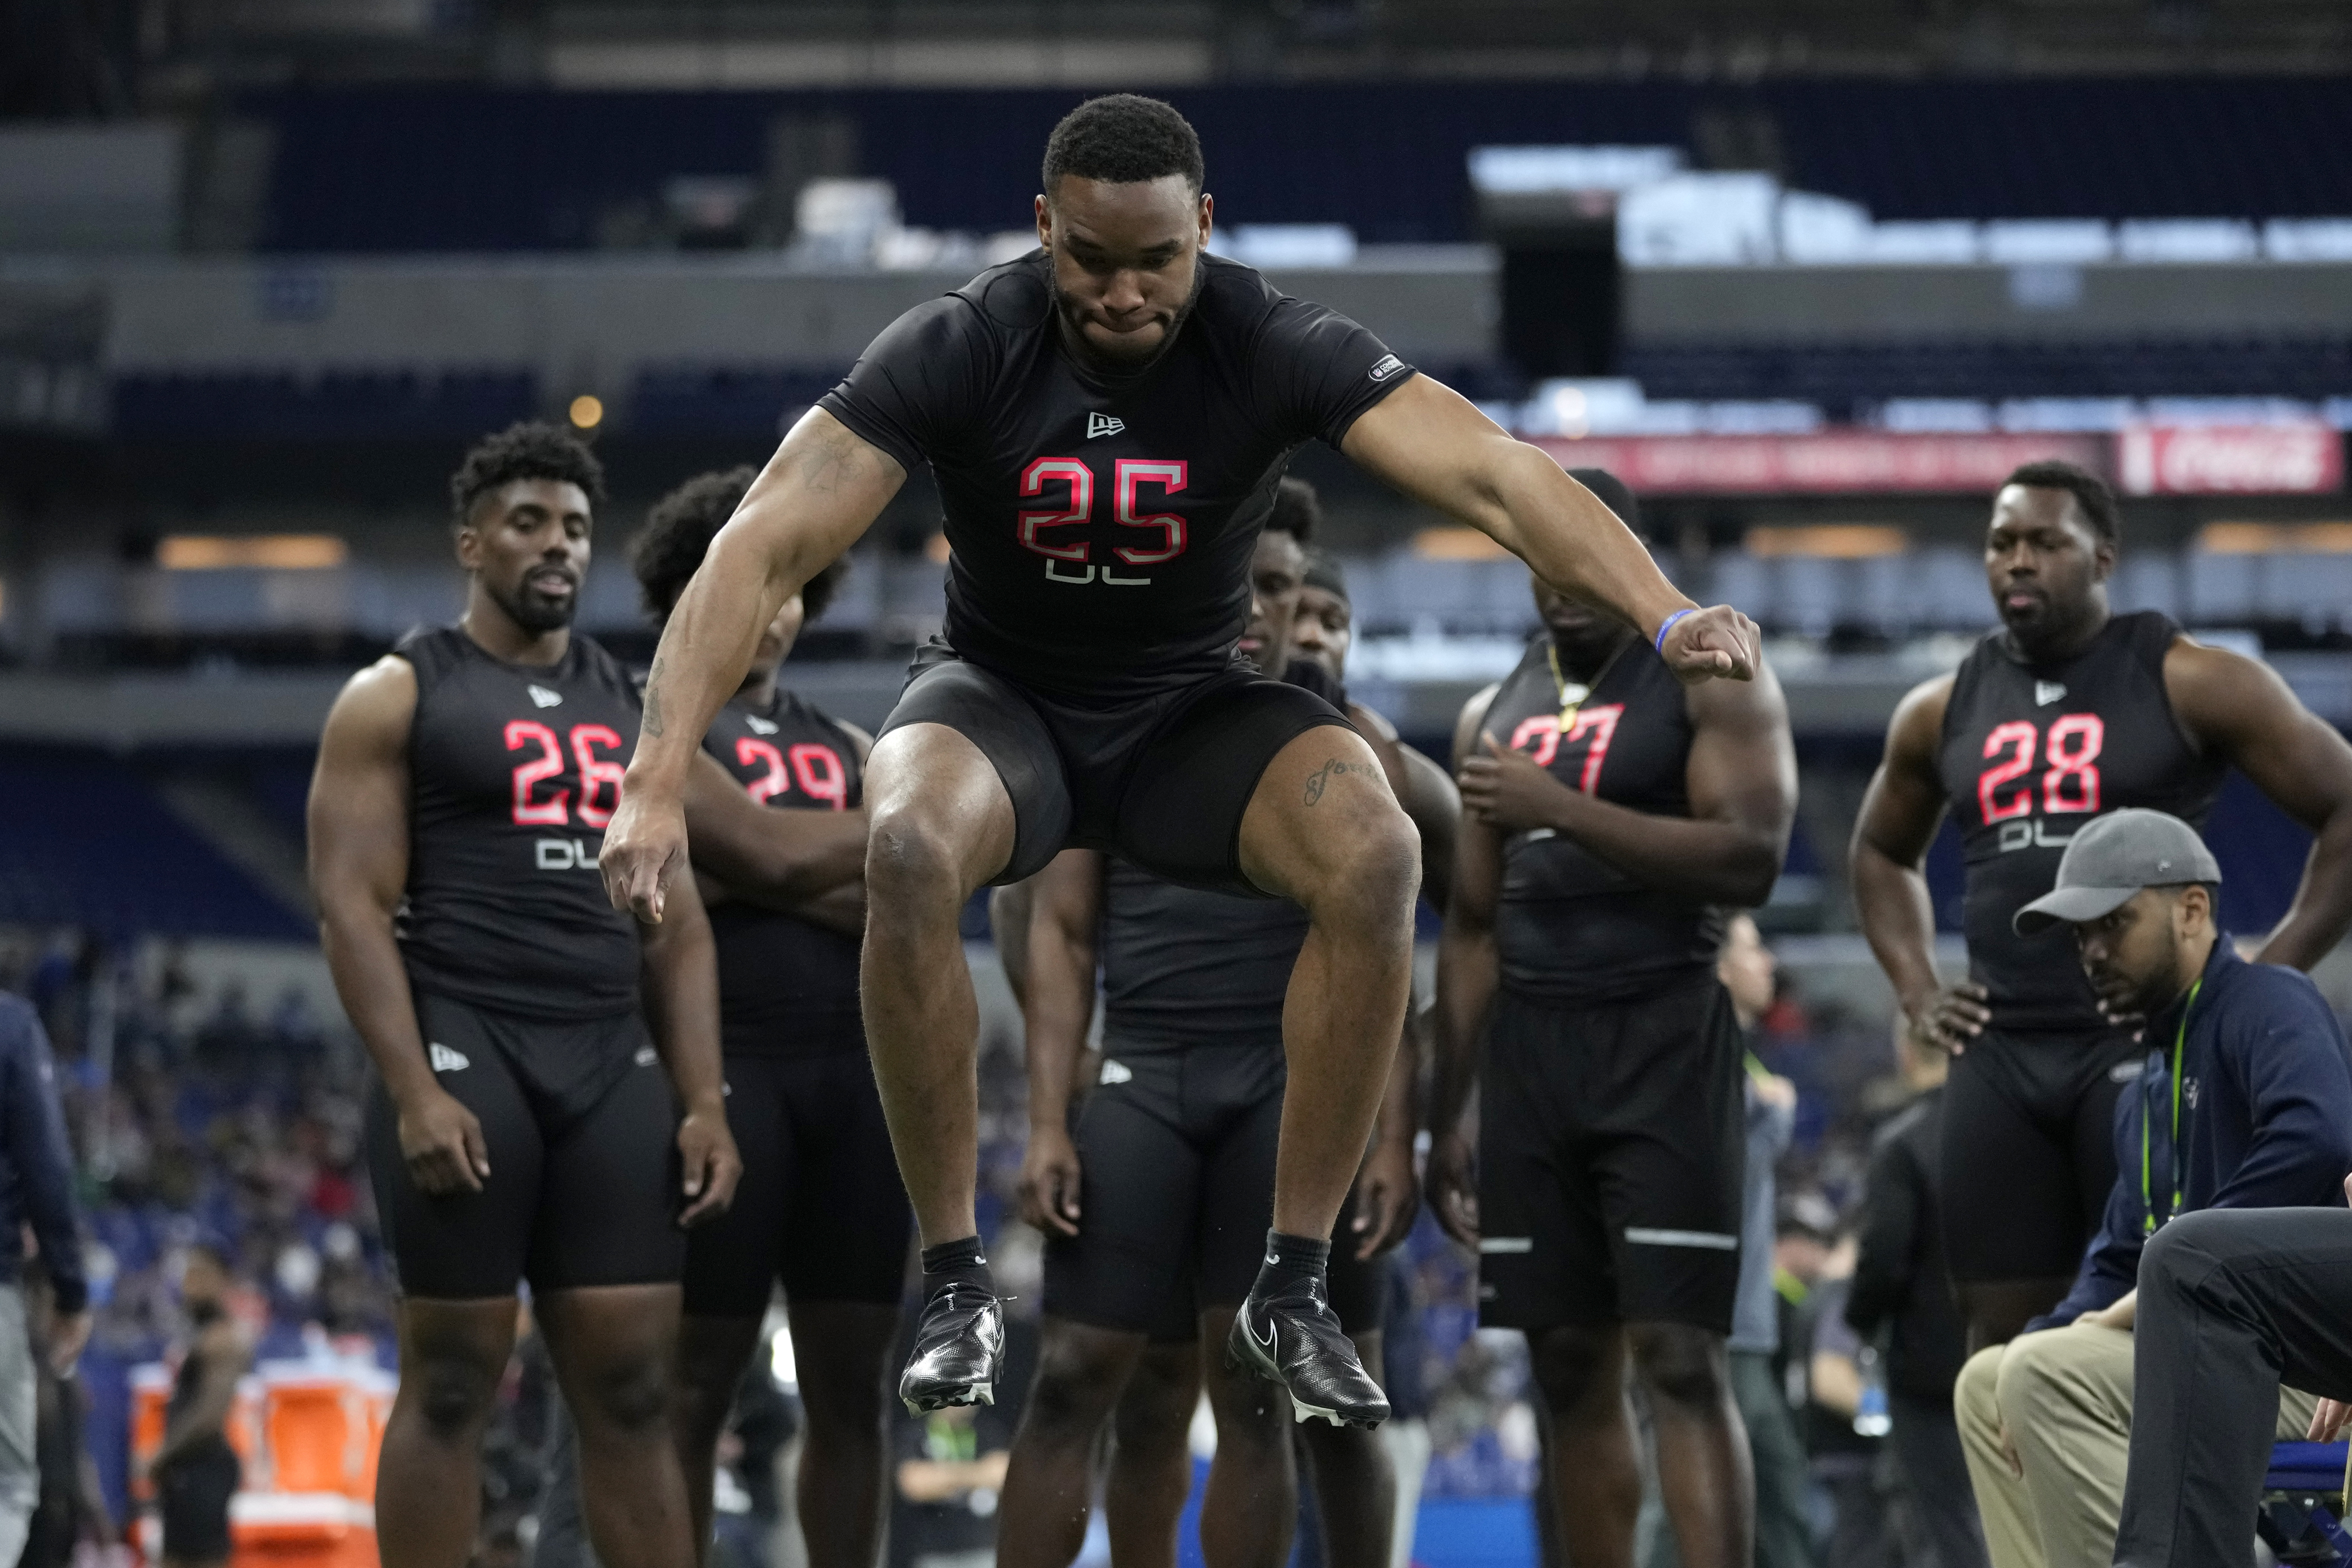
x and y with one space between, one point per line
1718 642
645 847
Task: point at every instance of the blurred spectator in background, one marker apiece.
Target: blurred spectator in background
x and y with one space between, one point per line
1405 1380
950 1470
37 1176
1845 1420
194 1469
1901 1300
1784 1538
71 1507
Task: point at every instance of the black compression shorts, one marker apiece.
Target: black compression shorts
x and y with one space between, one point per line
1611 1154
820 1205
2029 1150
1162 782
575 1198
1176 1154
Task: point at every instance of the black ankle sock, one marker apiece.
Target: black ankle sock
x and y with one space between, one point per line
1292 1263
957 1262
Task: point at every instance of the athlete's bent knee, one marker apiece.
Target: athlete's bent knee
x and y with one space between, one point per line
1373 884
911 859
453 1394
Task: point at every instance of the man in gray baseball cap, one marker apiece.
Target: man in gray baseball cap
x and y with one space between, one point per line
2244 1101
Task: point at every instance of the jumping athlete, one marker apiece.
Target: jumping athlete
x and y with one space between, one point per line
521 1127
2065 712
1612 817
1153 1211
1107 419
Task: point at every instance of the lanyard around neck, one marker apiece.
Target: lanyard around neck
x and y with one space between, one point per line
2172 1173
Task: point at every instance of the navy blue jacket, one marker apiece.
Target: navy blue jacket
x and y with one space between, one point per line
37 1171
2265 1115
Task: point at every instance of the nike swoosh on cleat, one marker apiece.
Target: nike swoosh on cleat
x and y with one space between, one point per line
1268 1340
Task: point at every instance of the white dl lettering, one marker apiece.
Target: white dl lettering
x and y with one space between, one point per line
564 855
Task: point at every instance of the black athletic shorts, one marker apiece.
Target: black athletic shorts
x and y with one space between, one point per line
578 1194
193 1494
1162 782
1176 1154
2029 1150
820 1205
1356 1288
1611 1154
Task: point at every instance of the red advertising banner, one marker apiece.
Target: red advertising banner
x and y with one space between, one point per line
2297 458
1832 462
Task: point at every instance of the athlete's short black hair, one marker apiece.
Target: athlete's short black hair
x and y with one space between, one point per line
2090 492
532 449
1123 139
1297 510
1324 572
678 534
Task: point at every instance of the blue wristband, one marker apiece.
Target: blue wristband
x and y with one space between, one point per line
1659 642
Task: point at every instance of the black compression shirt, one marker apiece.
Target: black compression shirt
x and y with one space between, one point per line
1181 966
1570 927
2029 754
1101 528
513 771
786 986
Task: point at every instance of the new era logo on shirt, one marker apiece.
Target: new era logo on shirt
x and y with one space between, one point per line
541 696
444 1059
1115 1073
1387 368
760 726
1103 425
2045 692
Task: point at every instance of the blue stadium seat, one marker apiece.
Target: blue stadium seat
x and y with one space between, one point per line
2303 1504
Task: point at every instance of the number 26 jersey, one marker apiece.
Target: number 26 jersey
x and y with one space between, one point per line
513 771
2030 753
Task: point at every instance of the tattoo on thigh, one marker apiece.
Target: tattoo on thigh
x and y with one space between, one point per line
1329 771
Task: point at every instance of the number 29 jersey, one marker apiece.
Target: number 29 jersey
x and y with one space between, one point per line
1100 526
786 986
513 771
2029 754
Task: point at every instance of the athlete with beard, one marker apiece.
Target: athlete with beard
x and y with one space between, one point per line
521 1126
1612 819
1107 419
2067 712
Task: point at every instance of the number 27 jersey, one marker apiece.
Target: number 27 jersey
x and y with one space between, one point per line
2029 754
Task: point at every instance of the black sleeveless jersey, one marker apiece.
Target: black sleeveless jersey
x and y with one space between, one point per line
1101 528
786 986
513 771
1181 966
1570 927
2030 753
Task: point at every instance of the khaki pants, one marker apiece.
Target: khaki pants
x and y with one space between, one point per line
2065 1397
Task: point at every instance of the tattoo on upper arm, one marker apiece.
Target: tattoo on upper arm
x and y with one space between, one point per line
651 724
1331 770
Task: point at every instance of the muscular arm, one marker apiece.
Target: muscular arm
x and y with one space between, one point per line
1064 916
1468 971
821 490
1900 813
359 872
681 991
1742 783
2240 708
1430 798
1429 442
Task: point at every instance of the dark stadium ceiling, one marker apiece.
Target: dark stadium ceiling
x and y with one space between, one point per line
120 56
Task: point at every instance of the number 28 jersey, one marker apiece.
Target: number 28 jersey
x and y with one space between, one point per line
1101 527
513 771
2031 752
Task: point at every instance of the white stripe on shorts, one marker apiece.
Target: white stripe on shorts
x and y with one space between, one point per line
1492 1244
1716 1241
